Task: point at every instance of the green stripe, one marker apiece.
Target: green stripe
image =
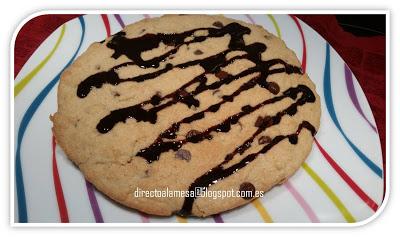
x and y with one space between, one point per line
20 86
278 31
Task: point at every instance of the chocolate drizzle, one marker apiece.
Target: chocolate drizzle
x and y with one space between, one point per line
188 98
166 141
219 172
152 152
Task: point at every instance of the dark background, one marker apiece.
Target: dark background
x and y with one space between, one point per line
359 40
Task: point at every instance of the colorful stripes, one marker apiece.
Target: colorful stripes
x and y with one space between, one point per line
262 211
265 216
144 217
333 164
277 29
331 195
353 95
90 190
250 19
297 196
89 187
93 200
371 203
22 211
93 203
303 40
106 24
331 109
62 207
218 218
21 85
257 203
302 202
119 20
181 219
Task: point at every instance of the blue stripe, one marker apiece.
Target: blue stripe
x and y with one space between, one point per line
331 110
22 211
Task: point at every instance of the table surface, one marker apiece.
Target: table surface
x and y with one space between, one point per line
364 55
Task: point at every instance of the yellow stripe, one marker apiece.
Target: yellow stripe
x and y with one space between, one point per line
278 31
262 211
18 88
328 191
181 219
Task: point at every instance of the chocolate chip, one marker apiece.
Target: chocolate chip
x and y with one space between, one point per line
198 52
116 94
268 121
169 66
264 140
146 173
293 139
218 24
192 133
143 30
259 121
273 88
98 67
222 75
156 99
263 121
268 37
247 190
76 123
215 92
183 154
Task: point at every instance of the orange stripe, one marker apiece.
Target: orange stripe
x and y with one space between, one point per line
181 219
262 211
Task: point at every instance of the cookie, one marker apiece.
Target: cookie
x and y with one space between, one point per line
184 106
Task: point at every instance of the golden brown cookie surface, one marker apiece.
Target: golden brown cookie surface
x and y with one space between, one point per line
180 102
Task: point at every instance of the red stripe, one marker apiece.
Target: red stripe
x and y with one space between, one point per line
334 165
57 185
347 179
106 24
304 58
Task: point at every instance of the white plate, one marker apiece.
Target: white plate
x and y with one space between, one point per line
341 180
